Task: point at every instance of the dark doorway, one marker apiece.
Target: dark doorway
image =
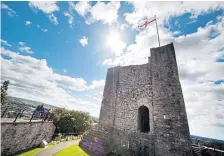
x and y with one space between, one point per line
143 119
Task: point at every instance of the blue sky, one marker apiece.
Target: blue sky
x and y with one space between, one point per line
59 52
60 46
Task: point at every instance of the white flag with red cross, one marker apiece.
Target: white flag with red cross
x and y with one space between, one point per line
147 23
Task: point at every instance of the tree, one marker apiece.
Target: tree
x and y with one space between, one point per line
70 121
4 89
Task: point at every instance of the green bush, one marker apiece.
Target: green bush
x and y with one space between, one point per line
70 121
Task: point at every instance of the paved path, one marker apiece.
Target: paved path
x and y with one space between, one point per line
52 150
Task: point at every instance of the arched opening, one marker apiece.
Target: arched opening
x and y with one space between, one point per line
143 119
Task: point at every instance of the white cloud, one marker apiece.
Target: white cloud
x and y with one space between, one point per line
77 84
53 19
64 70
115 42
105 12
70 13
192 21
177 32
204 104
123 26
82 8
70 18
27 23
163 10
48 8
95 90
33 79
24 48
110 12
44 30
9 10
84 41
94 97
97 85
5 43
21 43
137 53
209 23
109 62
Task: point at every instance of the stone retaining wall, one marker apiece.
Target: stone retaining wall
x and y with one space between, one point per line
20 136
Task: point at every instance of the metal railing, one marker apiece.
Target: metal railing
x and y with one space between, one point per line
25 113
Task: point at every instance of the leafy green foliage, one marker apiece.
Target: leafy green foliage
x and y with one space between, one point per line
70 121
62 138
4 89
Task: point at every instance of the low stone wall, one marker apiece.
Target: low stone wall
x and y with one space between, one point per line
20 136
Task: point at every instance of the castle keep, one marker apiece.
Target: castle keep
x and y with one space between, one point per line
143 110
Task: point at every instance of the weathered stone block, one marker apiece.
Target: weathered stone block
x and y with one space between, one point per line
43 143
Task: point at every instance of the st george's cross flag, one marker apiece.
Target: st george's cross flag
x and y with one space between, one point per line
147 23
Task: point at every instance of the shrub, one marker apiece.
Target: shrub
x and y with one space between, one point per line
70 121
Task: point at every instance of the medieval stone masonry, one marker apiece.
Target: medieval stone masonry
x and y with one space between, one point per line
142 111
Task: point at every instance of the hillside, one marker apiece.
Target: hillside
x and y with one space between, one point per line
20 102
205 138
27 103
208 142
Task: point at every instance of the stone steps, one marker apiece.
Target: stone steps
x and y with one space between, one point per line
93 143
92 148
91 138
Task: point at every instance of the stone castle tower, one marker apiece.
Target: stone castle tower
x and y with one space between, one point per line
143 110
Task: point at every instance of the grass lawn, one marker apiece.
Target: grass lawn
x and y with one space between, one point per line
73 150
34 151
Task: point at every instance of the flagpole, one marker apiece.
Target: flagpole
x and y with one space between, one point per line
157 31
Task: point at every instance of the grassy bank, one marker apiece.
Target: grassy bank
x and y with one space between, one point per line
73 150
